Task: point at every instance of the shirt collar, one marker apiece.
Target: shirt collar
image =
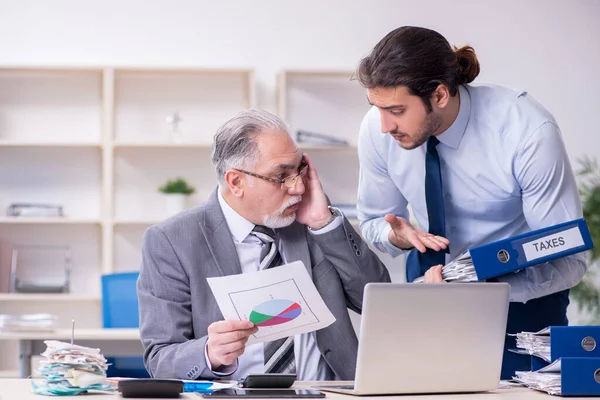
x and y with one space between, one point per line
239 226
452 136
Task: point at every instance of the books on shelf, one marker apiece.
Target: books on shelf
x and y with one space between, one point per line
34 210
27 322
319 138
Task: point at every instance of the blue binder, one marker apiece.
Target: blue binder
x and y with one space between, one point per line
574 341
570 341
580 376
531 248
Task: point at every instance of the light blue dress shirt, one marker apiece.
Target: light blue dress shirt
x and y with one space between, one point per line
504 169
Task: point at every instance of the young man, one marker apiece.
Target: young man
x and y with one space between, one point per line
270 208
476 164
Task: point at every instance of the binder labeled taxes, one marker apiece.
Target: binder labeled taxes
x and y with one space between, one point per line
518 252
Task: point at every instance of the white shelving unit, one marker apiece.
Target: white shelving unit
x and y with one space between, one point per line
331 102
326 102
96 141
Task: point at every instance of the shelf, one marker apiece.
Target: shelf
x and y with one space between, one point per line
200 146
9 373
306 146
67 297
127 222
48 220
162 146
8 143
343 73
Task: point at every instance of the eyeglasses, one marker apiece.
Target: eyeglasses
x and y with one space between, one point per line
288 182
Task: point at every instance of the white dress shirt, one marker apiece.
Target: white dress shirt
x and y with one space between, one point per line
504 169
310 365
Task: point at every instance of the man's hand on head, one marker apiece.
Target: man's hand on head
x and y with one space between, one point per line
227 341
313 210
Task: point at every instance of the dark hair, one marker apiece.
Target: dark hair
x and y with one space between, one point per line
420 59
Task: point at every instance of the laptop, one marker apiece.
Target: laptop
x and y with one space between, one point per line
430 338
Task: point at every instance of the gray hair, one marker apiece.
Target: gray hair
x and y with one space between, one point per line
234 144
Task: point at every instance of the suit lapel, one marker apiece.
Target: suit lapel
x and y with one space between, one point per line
295 246
219 238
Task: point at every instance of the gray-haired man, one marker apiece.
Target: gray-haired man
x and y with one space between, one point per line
270 208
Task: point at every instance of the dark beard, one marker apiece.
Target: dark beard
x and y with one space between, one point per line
432 123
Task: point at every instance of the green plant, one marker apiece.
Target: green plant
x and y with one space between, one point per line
587 294
176 186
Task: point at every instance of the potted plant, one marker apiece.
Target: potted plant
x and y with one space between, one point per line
587 293
176 192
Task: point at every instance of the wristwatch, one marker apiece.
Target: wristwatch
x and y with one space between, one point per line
334 214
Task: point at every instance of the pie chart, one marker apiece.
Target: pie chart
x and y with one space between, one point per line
275 312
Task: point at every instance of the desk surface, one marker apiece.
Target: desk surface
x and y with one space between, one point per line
80 334
20 389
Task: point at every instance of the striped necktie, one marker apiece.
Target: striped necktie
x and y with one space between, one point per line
278 354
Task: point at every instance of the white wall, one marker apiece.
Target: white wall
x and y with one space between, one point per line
548 47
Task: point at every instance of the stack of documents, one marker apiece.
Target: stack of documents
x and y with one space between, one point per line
460 269
27 322
534 343
573 357
70 369
34 210
547 379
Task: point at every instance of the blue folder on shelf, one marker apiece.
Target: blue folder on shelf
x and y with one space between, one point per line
531 248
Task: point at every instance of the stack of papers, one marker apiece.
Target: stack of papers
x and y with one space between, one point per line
534 343
460 269
546 379
27 322
537 344
70 369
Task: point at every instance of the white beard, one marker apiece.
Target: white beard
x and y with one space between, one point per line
277 220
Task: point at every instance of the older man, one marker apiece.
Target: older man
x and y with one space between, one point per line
269 198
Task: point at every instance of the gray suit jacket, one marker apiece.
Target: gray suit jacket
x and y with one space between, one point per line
176 304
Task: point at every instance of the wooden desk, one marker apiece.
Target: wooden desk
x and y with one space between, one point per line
112 342
20 389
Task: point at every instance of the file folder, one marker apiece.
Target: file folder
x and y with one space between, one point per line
567 376
531 248
574 341
580 376
570 341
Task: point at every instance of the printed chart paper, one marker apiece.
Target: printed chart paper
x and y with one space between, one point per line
281 301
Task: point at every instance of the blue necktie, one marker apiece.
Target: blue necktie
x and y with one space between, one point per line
418 263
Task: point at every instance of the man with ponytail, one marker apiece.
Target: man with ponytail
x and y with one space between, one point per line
476 163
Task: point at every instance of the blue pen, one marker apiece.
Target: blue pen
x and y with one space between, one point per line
198 387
